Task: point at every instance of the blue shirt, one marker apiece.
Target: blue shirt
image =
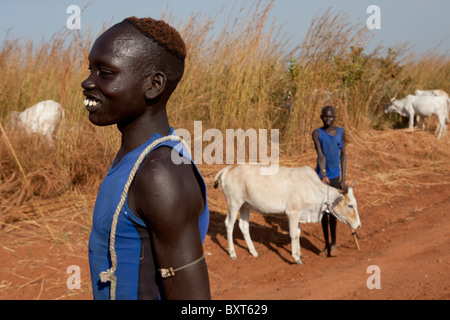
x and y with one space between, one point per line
331 149
136 271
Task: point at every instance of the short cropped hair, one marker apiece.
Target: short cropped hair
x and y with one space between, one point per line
326 108
167 39
162 33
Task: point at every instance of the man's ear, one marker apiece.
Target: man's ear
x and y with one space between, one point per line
154 85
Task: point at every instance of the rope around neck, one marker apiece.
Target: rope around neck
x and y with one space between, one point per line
109 275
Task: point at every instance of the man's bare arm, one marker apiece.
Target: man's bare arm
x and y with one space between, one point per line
169 199
321 158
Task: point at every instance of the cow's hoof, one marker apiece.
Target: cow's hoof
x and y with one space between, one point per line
254 253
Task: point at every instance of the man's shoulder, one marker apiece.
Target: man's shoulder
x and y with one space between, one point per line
164 189
160 173
315 133
158 167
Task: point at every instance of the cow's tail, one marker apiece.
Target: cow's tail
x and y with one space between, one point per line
218 177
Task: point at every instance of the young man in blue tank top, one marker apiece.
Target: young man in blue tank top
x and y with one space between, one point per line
329 142
134 68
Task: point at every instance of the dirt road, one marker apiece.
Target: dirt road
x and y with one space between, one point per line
403 198
409 244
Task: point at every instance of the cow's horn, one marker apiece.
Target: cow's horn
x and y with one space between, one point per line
353 184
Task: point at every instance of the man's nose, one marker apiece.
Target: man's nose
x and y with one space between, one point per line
88 84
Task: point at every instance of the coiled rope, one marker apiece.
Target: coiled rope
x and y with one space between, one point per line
109 275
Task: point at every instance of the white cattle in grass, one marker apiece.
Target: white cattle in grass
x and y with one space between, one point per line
435 93
401 102
297 192
42 118
423 106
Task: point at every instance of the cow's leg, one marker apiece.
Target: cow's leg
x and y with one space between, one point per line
49 139
417 121
442 130
438 129
244 226
411 122
294 232
442 126
233 209
423 122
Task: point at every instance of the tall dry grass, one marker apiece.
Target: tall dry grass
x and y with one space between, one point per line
230 74
29 168
246 75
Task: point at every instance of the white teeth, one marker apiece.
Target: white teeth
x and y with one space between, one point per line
89 102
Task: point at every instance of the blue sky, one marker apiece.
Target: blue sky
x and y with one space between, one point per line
423 24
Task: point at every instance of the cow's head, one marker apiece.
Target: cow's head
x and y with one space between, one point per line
345 208
391 105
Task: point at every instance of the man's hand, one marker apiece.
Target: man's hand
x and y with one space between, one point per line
326 180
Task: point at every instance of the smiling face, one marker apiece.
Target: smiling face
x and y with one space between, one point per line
327 116
115 88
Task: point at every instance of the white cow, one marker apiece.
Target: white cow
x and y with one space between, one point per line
423 106
435 93
42 118
297 192
401 102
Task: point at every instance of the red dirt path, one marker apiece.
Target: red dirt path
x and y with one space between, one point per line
403 199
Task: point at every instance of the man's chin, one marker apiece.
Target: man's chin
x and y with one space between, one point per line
98 122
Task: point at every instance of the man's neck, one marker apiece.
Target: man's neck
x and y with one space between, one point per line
140 130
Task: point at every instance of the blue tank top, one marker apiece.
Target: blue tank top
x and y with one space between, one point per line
136 271
331 149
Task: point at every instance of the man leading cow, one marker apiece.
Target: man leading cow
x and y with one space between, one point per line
330 142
